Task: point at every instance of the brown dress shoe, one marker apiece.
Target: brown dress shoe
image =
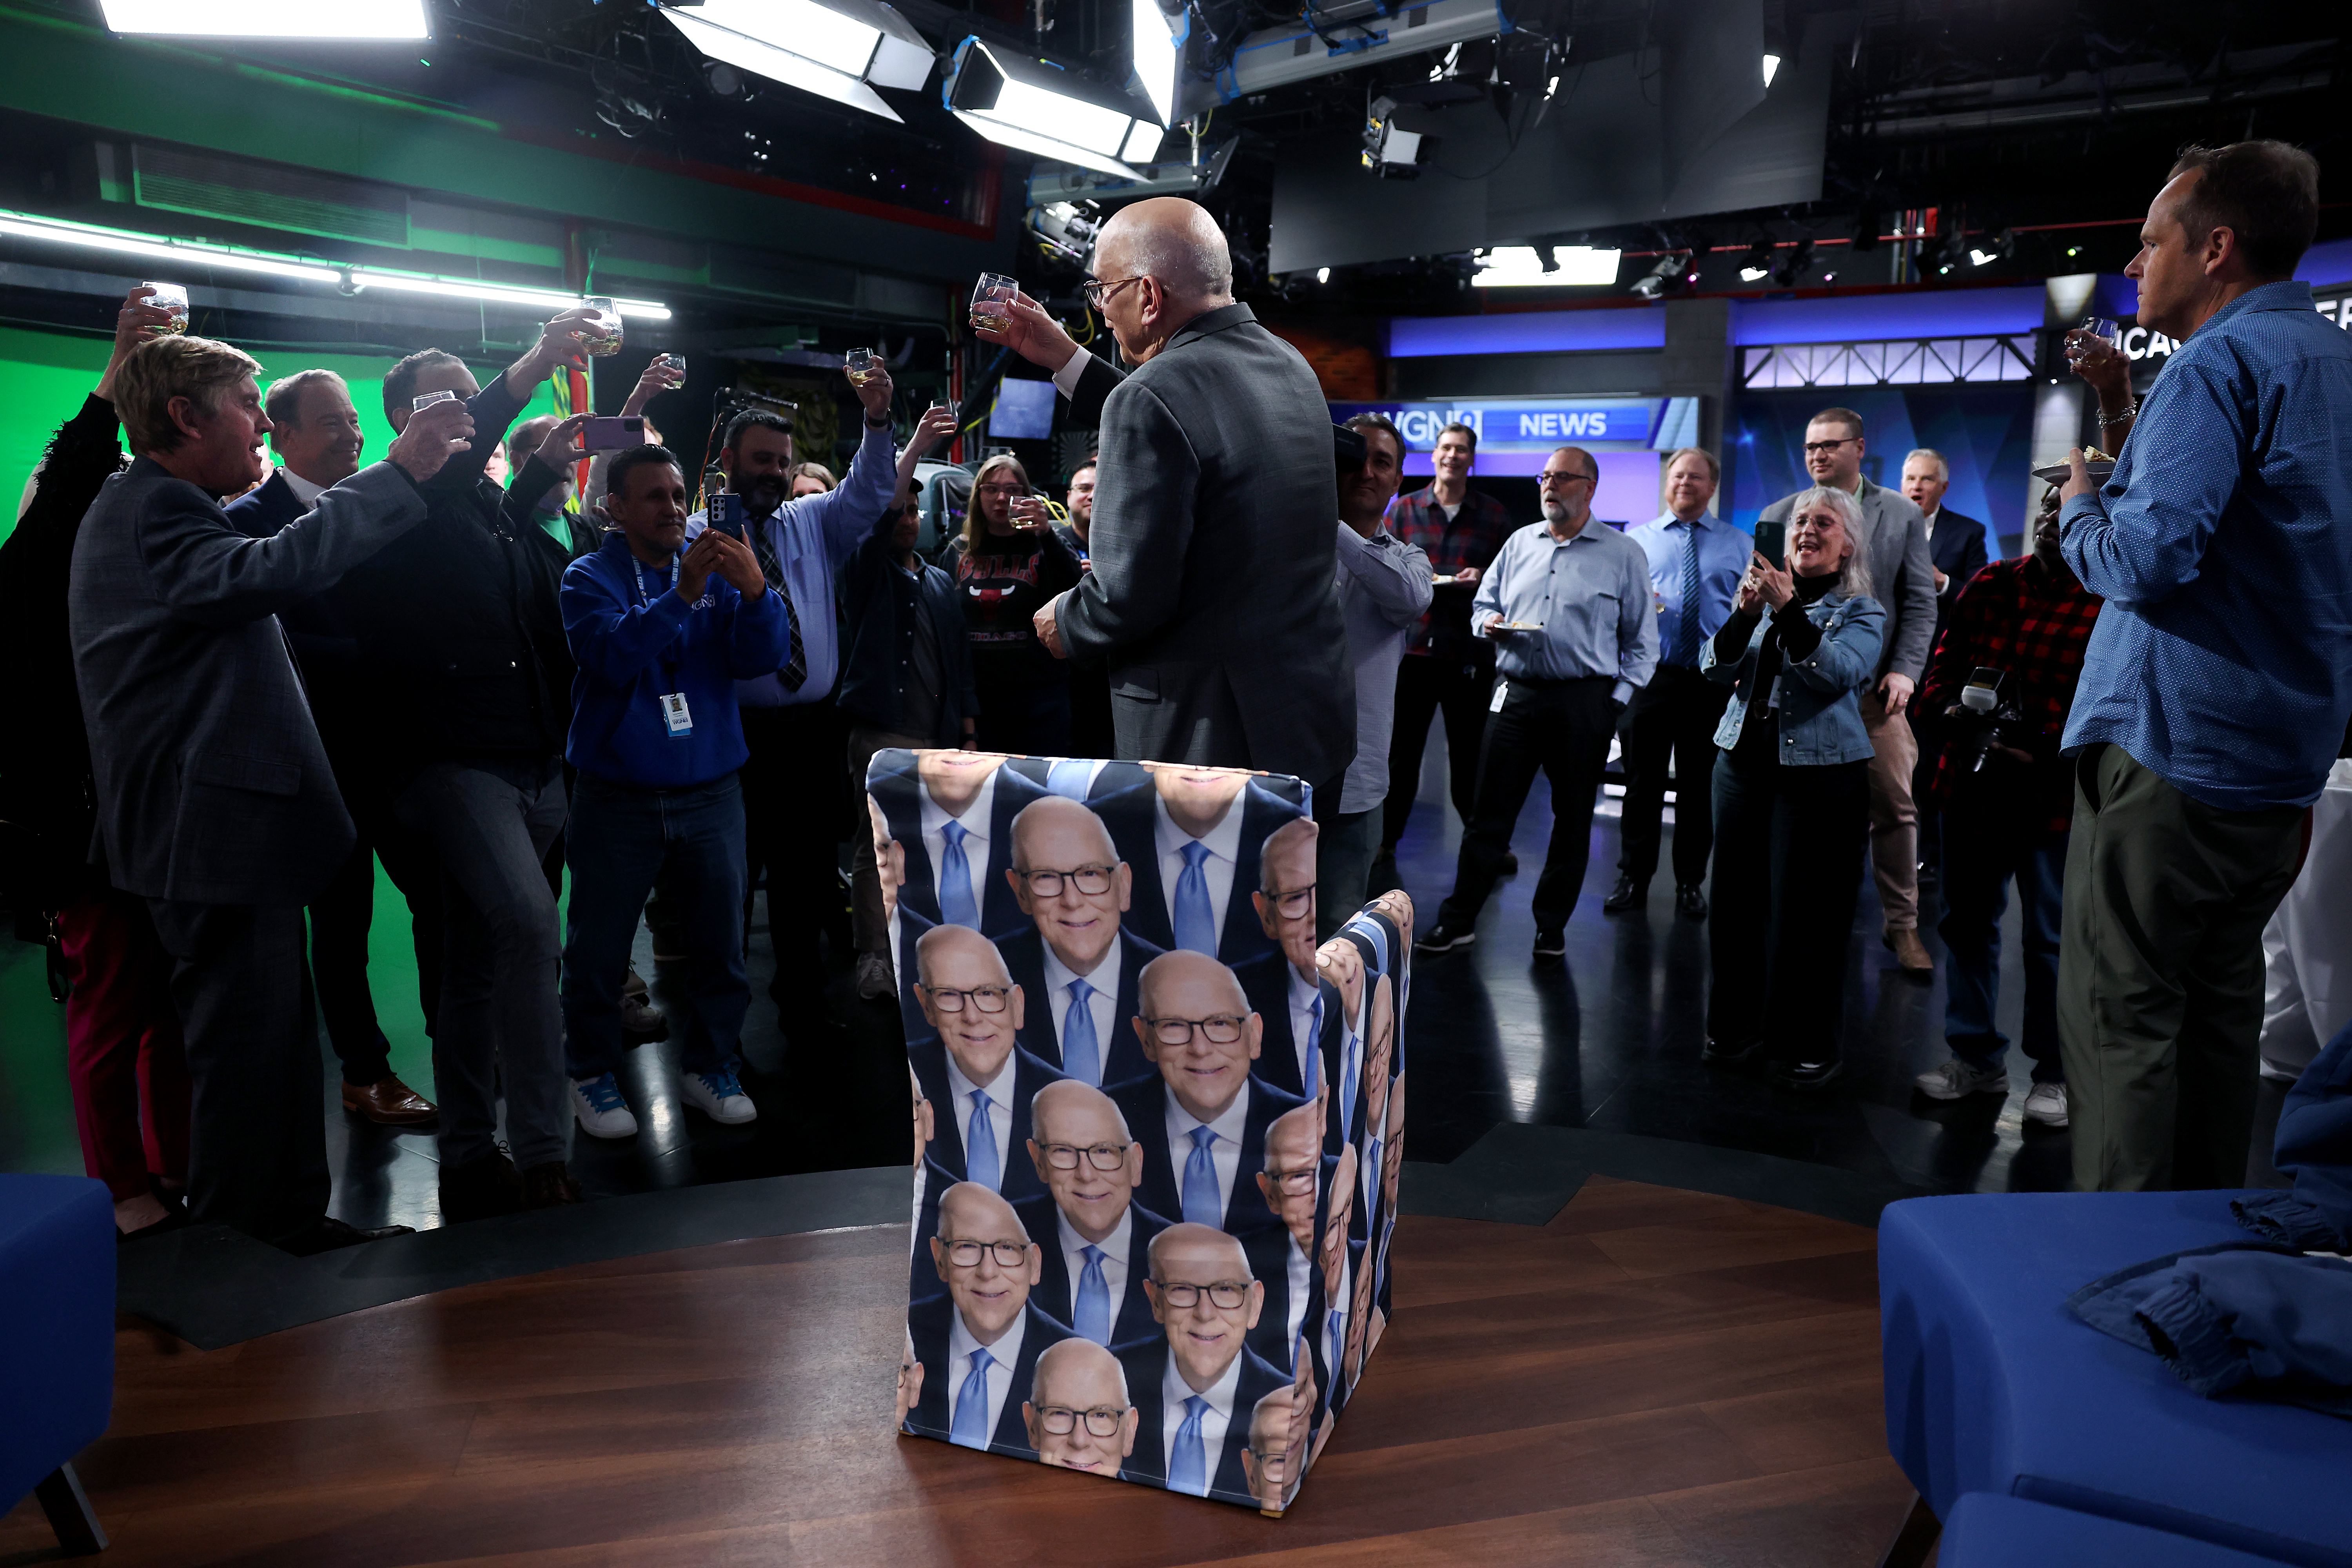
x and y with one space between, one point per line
1910 953
388 1102
548 1186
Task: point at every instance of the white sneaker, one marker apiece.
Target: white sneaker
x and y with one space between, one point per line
2046 1103
874 980
718 1095
602 1113
1956 1079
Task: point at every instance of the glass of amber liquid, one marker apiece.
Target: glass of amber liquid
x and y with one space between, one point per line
989 298
174 298
602 336
861 366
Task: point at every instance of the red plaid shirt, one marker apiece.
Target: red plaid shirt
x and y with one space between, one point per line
1476 532
2021 616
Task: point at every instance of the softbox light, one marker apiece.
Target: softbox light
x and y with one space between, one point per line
840 49
269 18
1037 106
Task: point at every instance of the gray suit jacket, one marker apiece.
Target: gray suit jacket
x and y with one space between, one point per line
212 785
1902 573
1212 594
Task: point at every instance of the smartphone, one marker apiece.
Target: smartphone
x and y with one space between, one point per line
1772 541
425 400
725 513
612 433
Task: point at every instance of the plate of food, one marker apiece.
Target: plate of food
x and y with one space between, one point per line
2096 462
1521 627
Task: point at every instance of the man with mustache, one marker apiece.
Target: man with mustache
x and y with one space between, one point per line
1198 1382
1092 1231
980 1338
1079 961
1078 1413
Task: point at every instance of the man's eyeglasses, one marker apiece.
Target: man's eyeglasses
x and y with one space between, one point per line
1101 1156
1222 1029
1295 905
1092 880
1225 1295
1563 476
1293 1184
1097 290
1102 1421
968 1254
987 998
1822 448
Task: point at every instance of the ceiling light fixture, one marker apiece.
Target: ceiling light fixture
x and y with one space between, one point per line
269 18
1756 265
1672 272
1520 266
1035 106
840 49
1800 262
1157 50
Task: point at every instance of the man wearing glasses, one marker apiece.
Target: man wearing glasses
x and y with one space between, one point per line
1078 1415
979 1083
1294 1170
1091 1276
1078 961
1569 609
980 1338
1282 986
1894 546
1201 1116
1197 1383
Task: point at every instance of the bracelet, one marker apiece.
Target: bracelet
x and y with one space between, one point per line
883 423
2131 411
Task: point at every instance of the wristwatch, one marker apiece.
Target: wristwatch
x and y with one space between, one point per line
873 424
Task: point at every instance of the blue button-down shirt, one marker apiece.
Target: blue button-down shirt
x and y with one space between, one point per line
1590 597
1723 552
813 538
2223 545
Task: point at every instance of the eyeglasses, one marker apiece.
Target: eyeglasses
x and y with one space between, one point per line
1008 491
1293 905
1817 449
1101 1156
1092 880
1097 290
1222 1029
1293 1184
1225 1295
967 1254
1561 476
987 998
1102 1421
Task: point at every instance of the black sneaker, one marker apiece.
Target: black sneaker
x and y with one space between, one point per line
1624 896
481 1188
1689 903
1551 945
1806 1076
1740 1054
1443 937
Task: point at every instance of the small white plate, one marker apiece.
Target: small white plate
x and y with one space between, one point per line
2057 473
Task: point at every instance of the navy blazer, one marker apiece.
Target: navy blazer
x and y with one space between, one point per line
929 1060
1132 816
895 787
1144 1102
1056 1294
1122 1054
1266 981
1145 1363
1269 1260
1957 550
931 1322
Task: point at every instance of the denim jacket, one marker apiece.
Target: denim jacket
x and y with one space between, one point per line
1820 712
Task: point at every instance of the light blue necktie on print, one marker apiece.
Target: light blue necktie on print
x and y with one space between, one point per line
970 1427
1201 1204
982 1163
1686 633
1092 1315
1069 779
1187 1467
1315 1046
1081 1052
1351 1075
1338 1334
1196 927
956 906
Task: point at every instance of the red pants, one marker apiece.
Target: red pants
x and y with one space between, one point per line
123 1054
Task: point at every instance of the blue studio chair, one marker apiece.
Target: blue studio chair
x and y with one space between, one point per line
57 1343
1992 1386
1988 1531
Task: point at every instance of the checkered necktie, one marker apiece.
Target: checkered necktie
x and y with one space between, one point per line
795 671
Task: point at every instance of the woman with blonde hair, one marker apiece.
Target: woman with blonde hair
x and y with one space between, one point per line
1008 563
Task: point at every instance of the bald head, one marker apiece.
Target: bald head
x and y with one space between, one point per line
1054 823
1173 240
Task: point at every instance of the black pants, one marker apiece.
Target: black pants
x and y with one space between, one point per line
340 919
1788 846
1676 713
1563 728
257 1142
1426 685
1090 726
795 817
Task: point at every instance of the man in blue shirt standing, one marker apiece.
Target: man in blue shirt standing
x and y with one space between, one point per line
661 632
1695 562
2216 685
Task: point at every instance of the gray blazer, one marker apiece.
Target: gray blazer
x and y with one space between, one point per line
1211 596
1902 573
212 785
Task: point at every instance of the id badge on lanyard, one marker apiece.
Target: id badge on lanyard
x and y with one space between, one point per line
676 715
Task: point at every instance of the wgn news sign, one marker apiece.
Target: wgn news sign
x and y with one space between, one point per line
1537 425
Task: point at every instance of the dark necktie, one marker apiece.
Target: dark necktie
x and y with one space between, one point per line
795 671
1686 633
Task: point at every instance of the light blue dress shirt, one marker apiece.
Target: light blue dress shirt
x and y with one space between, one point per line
2223 545
1590 597
1723 552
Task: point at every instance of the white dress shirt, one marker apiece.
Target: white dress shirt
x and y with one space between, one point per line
1173 1392
1224 1154
1003 1352
1103 1005
1000 1113
1224 842
1301 997
1114 1248
976 820
1066 380
304 490
1300 1269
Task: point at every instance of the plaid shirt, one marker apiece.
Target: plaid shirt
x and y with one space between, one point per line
1472 538
2017 615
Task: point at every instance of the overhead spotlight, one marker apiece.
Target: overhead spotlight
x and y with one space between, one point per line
1322 275
840 49
1776 49
1157 51
1756 265
1772 68
1997 248
1800 262
1670 273
268 18
1388 153
1035 106
1522 267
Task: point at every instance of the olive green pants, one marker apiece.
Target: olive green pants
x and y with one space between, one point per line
2161 975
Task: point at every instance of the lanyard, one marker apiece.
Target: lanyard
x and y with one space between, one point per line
669 659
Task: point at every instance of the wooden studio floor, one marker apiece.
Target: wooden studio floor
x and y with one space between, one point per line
1657 1376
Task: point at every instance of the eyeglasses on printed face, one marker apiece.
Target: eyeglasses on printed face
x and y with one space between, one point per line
1102 1421
1101 1156
1551 477
1225 1295
1097 290
987 998
1295 905
1222 1029
1822 448
1092 880
968 1254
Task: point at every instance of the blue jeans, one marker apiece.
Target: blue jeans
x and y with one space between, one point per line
619 840
1984 846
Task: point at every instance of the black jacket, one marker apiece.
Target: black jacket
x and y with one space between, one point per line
878 638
